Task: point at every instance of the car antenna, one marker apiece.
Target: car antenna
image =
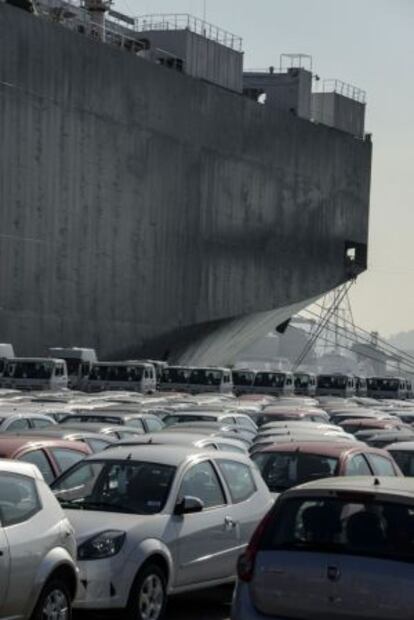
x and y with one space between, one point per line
376 482
129 457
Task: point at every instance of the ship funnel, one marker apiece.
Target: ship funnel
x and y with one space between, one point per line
97 10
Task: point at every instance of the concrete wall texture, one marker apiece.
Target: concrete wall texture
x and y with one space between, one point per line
136 201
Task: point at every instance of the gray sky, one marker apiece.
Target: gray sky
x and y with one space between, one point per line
370 44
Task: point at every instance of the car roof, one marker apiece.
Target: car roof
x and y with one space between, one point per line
19 467
394 485
10 443
63 431
322 448
402 445
23 413
164 454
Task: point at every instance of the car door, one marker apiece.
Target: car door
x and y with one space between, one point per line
23 527
205 540
4 561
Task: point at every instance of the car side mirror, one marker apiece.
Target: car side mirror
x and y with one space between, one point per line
188 505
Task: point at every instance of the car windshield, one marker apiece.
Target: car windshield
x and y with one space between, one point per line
102 419
405 461
284 470
29 370
116 486
170 420
355 524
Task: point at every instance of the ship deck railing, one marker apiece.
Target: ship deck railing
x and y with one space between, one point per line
185 21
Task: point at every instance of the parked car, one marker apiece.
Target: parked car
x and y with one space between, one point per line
195 439
403 454
382 439
96 441
51 456
145 421
37 548
355 425
334 548
286 465
15 421
157 520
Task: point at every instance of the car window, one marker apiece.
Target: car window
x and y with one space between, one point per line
201 481
363 527
19 500
227 447
239 480
381 465
246 423
65 457
39 458
154 424
405 461
136 423
17 425
283 470
40 422
357 466
97 444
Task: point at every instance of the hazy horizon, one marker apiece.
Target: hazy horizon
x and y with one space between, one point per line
369 44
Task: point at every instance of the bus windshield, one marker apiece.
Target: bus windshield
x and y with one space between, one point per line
243 377
175 375
116 373
205 377
73 364
332 381
270 379
29 370
302 380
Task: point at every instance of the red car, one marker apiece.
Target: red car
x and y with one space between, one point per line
51 456
286 465
355 425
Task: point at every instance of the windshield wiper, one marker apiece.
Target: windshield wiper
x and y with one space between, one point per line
107 506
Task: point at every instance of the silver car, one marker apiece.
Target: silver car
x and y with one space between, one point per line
158 520
335 548
38 576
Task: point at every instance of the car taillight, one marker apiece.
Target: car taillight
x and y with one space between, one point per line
246 562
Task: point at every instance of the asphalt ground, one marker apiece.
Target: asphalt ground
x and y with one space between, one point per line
212 604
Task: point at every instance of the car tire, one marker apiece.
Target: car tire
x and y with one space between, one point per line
148 594
54 601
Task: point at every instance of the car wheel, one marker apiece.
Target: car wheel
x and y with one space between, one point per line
148 595
54 602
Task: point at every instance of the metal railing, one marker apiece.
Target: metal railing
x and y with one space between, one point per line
184 21
345 89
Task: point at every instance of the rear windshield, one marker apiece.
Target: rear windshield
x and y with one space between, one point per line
284 470
170 420
353 524
104 419
405 461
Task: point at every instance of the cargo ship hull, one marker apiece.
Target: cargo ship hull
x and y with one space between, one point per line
140 206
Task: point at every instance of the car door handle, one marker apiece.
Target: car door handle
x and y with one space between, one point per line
229 523
333 573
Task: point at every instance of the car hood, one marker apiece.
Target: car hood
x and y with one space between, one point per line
88 523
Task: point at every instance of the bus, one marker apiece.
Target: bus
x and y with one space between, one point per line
336 384
196 380
129 376
273 382
78 362
6 353
305 383
34 373
243 380
387 387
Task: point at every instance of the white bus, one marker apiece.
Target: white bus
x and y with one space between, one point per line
305 383
336 384
387 387
273 382
78 363
6 353
129 376
34 373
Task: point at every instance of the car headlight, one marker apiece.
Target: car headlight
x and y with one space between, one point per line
103 545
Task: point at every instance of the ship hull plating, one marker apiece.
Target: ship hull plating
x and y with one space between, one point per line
139 205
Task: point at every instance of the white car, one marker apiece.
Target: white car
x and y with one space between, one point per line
38 575
158 520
